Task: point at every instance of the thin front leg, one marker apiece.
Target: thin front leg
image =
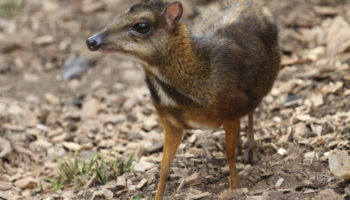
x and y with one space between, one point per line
232 133
172 139
250 146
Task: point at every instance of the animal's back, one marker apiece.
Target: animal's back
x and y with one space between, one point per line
243 39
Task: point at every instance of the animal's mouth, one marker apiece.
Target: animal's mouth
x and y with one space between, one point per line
109 49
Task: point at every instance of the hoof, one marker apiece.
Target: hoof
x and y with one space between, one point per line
250 153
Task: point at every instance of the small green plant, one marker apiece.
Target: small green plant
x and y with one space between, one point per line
9 8
95 170
138 197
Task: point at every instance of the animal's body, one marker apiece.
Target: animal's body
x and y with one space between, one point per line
209 76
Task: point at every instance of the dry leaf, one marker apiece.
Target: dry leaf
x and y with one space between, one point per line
5 147
26 183
339 164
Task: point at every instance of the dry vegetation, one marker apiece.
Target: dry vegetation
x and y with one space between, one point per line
73 138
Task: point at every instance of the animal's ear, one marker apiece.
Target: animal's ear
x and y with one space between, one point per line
172 15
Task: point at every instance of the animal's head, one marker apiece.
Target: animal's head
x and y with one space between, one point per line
143 31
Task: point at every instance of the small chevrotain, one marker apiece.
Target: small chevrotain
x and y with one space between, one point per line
208 76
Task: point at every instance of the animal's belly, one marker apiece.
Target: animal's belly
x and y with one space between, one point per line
199 120
202 125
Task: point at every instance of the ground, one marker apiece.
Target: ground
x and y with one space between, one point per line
44 117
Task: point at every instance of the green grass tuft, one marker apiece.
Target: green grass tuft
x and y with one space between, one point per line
138 197
95 170
9 8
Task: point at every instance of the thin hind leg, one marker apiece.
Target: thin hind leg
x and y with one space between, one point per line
250 154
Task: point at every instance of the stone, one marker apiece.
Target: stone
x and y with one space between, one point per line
5 147
282 151
26 183
90 109
4 185
199 196
121 182
229 194
72 146
279 182
328 194
194 178
43 144
141 184
74 68
52 99
339 164
143 166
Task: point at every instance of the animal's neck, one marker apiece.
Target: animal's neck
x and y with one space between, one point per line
182 49
183 61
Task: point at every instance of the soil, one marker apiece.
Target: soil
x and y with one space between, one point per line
303 120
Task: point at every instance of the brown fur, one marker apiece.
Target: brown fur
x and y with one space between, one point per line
215 74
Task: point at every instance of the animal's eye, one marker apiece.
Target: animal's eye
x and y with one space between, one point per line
142 28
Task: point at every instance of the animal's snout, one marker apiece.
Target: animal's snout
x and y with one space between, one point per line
94 43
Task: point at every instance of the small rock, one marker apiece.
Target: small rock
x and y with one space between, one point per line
254 198
52 99
74 68
44 40
339 164
121 182
107 193
153 146
91 7
306 183
149 123
74 84
328 194
347 192
68 194
338 36
129 103
5 185
54 133
141 184
228 194
2 108
143 166
277 119
90 109
103 193
14 109
42 127
309 191
26 183
272 195
111 185
279 182
72 146
310 155
199 196
318 130
30 77
59 138
239 166
282 151
43 144
193 179
5 147
300 131
317 100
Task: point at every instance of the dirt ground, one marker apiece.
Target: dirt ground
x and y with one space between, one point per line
304 120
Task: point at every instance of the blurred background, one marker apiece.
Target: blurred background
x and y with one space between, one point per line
57 98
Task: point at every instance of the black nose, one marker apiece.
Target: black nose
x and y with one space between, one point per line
94 43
